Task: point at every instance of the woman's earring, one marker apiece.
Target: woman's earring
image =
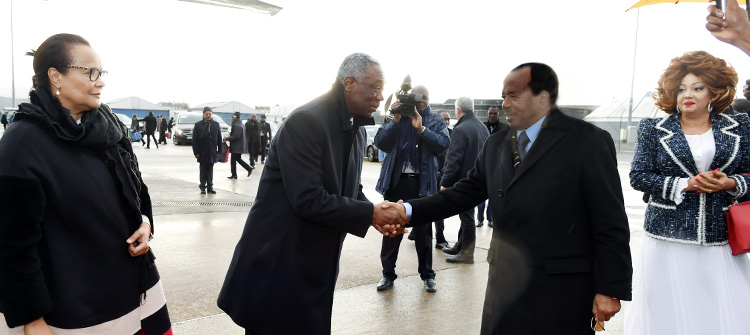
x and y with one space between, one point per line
678 109
710 108
57 93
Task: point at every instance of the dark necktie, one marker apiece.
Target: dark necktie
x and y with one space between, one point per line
523 141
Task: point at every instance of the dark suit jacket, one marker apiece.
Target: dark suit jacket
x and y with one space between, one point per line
265 129
563 235
467 139
252 131
283 272
206 144
150 124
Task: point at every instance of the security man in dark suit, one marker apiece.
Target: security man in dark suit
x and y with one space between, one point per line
559 258
493 125
467 140
207 148
265 135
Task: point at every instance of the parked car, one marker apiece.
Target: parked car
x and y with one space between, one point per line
372 152
184 123
126 120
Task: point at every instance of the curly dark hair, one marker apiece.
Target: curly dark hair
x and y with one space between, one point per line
719 77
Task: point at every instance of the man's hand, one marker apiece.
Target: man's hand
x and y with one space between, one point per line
735 29
197 156
138 242
416 121
388 219
37 327
396 116
605 307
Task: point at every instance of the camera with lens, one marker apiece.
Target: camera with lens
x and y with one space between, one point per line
407 100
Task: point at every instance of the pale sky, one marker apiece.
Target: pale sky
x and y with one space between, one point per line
168 50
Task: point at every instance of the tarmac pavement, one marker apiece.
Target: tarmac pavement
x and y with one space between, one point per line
195 236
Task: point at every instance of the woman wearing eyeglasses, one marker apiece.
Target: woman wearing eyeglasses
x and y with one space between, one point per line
692 164
74 234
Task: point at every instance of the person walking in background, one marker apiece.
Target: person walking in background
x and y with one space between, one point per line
237 146
410 171
207 148
265 136
74 247
170 125
467 140
493 125
150 121
252 131
4 120
692 164
136 126
162 129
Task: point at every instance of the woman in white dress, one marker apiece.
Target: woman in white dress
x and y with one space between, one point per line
690 164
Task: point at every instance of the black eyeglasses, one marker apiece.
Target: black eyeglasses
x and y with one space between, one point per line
94 73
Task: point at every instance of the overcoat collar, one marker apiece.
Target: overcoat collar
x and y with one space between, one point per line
338 109
553 130
673 140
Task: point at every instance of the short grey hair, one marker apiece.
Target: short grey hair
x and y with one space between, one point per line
466 104
356 66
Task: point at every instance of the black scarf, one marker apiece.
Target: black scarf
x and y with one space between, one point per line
101 130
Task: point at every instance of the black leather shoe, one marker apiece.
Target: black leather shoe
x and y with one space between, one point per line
203 192
461 258
385 284
212 191
479 224
430 285
451 251
232 177
489 224
442 246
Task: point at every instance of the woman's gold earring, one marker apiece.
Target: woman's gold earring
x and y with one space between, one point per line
57 93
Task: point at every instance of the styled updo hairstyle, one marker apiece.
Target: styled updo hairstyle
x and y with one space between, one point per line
54 52
719 77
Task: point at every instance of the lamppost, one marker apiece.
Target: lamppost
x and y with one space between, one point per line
12 60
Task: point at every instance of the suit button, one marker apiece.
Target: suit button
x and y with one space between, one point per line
500 193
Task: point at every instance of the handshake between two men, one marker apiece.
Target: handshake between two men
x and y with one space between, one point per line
389 218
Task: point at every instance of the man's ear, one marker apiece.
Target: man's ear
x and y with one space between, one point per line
349 83
544 99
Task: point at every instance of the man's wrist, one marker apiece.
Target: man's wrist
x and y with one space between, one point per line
421 129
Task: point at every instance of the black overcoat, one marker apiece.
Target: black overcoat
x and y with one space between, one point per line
150 124
467 139
283 272
206 145
252 130
236 139
561 233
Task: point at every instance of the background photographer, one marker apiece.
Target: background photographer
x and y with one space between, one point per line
410 171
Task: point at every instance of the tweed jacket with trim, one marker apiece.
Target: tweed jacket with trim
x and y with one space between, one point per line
662 156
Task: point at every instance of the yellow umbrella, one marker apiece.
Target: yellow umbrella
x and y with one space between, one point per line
642 3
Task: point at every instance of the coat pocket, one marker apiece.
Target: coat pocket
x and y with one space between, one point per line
567 265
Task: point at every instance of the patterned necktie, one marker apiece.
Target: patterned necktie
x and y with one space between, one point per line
523 141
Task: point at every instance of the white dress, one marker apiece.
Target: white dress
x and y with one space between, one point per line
689 289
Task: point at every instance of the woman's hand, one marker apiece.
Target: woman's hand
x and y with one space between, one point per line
712 181
138 242
37 327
